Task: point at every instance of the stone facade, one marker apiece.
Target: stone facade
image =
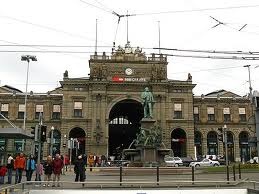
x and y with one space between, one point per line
89 105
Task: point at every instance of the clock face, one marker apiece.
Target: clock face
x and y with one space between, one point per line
128 71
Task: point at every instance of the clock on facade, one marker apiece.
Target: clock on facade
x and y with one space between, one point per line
128 71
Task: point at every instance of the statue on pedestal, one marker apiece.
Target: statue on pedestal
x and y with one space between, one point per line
148 102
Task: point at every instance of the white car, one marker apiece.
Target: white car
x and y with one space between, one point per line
173 161
205 162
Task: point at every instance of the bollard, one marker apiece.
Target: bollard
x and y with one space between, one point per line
157 175
234 172
120 175
239 171
192 174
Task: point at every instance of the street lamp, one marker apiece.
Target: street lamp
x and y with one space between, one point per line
226 143
27 58
51 142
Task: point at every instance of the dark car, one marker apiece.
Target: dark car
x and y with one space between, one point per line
121 162
187 160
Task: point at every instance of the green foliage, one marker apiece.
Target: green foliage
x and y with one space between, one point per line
136 164
249 166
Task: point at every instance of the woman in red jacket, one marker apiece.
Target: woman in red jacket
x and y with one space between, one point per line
57 169
3 171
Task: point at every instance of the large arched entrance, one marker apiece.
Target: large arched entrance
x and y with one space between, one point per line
77 137
178 145
124 124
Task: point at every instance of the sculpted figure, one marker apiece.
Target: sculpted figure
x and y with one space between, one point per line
148 101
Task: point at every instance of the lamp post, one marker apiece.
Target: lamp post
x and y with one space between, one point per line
51 141
226 143
27 58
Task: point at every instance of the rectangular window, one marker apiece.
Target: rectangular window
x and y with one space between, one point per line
21 111
56 112
39 109
196 115
226 113
178 111
78 106
242 114
19 145
2 145
4 110
211 114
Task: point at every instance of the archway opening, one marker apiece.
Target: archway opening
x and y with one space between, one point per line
243 144
124 124
212 143
56 142
77 136
178 144
198 143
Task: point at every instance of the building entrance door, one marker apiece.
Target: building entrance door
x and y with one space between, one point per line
178 144
77 135
124 124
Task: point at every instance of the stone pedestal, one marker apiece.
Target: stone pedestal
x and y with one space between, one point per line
148 154
147 123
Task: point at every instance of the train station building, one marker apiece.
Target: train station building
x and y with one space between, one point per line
102 112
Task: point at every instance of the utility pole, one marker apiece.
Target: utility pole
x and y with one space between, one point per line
250 85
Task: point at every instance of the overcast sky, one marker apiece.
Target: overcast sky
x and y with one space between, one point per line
184 24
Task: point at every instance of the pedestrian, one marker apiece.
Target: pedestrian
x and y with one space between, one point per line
57 169
79 169
39 172
3 171
91 161
10 167
19 166
30 167
48 169
66 161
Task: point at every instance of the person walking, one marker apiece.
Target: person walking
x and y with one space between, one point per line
19 166
3 171
91 161
57 169
48 169
79 169
39 172
10 167
30 167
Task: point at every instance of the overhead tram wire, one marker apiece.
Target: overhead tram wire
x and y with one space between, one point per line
198 10
48 28
214 57
210 51
57 46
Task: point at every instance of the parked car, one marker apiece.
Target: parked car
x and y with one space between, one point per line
254 160
187 161
173 161
121 162
205 162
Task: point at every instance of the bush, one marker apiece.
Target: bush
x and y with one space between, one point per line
136 164
249 166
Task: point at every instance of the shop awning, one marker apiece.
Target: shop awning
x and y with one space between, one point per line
14 133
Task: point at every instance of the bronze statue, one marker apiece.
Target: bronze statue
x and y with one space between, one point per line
148 102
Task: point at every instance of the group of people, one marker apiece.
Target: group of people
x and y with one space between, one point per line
51 168
20 164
